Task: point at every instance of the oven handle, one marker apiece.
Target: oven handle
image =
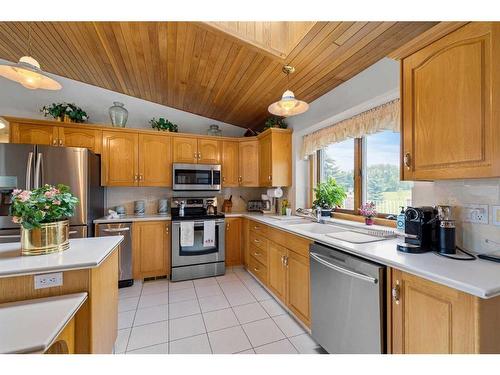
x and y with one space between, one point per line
345 271
211 177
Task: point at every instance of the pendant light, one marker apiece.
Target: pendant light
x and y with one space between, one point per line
27 72
288 105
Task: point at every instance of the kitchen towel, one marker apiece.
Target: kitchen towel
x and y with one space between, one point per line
208 233
187 233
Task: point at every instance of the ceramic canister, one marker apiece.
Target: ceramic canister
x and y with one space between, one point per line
139 207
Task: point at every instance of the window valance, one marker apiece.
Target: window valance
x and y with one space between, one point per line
383 117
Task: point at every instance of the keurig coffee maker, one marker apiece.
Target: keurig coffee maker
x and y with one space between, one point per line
420 229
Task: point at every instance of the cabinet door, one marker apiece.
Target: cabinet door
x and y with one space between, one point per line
249 163
430 318
155 160
298 291
185 150
245 227
150 251
265 161
209 151
233 242
230 175
119 166
34 134
277 270
81 137
449 94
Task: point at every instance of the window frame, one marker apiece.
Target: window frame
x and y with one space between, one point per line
360 153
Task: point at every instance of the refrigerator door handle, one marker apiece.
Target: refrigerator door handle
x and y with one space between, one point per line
28 170
36 183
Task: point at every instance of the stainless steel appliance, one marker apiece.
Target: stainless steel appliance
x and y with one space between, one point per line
255 205
31 166
348 299
197 261
125 252
200 177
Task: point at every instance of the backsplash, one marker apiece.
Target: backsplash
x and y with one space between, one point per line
127 195
458 193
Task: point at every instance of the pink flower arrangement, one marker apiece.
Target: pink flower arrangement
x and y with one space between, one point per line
368 210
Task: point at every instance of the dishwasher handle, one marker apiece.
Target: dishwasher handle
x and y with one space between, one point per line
346 271
115 230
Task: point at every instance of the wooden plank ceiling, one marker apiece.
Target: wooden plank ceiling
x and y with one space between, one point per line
210 69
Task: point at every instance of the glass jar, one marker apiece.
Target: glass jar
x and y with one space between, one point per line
118 114
214 130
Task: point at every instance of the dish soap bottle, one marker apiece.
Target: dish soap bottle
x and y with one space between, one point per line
400 221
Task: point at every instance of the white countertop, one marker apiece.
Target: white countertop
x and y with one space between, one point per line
127 218
31 326
82 253
480 277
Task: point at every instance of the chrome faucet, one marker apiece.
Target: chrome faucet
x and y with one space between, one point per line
318 215
314 214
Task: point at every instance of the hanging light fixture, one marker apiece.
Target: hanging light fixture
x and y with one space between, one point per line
288 105
27 72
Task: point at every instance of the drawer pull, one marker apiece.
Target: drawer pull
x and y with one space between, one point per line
257 254
256 227
256 269
256 241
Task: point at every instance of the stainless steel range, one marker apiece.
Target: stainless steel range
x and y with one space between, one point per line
200 256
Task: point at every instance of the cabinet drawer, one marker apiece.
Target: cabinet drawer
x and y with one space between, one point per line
258 240
259 254
258 228
258 269
292 242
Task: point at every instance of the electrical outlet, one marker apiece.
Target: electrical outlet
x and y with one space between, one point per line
48 280
495 214
475 213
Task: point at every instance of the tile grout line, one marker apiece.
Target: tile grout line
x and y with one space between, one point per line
133 320
203 318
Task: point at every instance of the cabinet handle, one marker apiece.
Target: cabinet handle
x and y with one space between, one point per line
396 293
256 240
240 179
269 177
195 155
54 142
135 177
166 228
199 155
60 142
227 226
283 260
223 179
257 254
256 269
256 227
286 260
141 177
407 160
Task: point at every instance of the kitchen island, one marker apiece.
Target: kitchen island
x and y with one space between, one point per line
89 266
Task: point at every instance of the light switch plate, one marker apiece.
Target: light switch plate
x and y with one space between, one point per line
48 280
475 213
495 215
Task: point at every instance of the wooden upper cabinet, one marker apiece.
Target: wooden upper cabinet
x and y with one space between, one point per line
275 158
450 100
430 318
265 161
119 161
230 166
277 270
185 150
155 160
81 137
249 163
151 248
233 242
298 291
209 151
34 134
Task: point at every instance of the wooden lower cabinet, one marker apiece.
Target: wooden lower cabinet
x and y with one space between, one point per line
150 248
277 270
244 240
233 242
298 286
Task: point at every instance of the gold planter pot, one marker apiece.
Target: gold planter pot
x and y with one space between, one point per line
49 238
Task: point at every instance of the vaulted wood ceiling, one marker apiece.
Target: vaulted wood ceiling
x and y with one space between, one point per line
226 72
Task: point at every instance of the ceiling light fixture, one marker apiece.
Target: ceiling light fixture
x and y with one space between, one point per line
288 105
27 72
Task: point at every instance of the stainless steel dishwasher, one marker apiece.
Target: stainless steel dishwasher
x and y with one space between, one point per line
125 251
347 293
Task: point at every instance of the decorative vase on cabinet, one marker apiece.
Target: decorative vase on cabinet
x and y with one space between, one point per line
118 114
214 130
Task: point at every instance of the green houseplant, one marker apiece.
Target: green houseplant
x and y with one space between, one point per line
67 112
328 196
275 122
164 125
43 214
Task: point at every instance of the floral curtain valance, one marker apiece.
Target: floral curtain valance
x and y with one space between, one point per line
383 117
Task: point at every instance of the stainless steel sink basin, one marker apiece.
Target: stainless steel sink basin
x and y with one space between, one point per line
317 228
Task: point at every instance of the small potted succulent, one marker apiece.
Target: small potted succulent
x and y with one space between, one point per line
275 122
164 125
369 211
329 195
65 112
43 214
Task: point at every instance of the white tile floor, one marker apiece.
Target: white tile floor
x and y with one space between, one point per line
226 314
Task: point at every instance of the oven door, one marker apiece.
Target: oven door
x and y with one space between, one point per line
197 254
204 177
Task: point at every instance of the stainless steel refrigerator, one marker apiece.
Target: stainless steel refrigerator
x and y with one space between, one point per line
31 166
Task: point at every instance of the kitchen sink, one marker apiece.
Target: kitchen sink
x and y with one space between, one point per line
317 228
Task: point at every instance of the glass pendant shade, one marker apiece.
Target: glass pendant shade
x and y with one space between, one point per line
27 72
288 105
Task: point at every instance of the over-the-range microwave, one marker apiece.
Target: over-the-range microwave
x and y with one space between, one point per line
198 177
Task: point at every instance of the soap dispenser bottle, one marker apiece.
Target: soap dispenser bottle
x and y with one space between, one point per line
400 221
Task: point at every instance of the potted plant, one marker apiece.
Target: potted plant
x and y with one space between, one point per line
163 124
368 211
328 196
66 112
275 122
43 214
